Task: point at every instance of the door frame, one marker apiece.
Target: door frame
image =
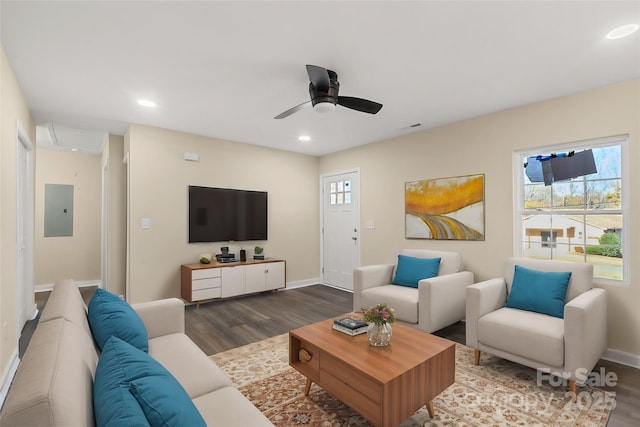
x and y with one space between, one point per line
355 170
104 273
24 290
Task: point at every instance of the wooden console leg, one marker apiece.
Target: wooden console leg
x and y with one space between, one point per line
573 390
307 387
476 357
430 408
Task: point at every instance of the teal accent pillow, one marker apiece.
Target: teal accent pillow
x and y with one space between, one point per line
411 270
539 291
120 390
109 315
164 402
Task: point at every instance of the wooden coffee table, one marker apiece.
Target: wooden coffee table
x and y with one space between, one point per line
386 385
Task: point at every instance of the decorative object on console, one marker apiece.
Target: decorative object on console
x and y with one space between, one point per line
380 317
243 255
445 208
258 252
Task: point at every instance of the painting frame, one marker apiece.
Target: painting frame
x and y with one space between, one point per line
450 208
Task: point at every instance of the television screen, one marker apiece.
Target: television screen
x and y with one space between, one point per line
224 214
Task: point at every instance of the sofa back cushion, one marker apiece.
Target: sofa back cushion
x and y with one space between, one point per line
450 262
65 301
581 273
54 381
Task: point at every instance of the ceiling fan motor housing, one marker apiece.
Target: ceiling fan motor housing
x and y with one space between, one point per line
319 95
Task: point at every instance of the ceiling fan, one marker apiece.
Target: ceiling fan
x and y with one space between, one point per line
323 88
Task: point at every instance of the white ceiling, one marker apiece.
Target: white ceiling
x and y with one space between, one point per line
225 69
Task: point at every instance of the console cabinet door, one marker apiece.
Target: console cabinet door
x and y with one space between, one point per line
274 272
256 281
233 281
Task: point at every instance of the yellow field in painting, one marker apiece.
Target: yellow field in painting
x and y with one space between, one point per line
443 196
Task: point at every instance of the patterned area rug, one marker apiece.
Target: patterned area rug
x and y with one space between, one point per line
496 393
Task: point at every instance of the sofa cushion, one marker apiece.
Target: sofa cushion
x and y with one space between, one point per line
527 334
65 301
540 291
109 315
53 384
200 376
403 299
119 366
411 270
164 402
227 407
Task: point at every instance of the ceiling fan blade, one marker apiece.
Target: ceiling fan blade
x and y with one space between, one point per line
290 111
319 77
359 104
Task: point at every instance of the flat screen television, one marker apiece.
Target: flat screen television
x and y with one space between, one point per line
225 214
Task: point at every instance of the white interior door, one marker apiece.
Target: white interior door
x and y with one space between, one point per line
340 228
25 300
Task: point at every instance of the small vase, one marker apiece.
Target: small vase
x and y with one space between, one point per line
379 334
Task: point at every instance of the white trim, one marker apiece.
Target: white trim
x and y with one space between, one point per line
104 264
47 287
7 377
622 357
302 283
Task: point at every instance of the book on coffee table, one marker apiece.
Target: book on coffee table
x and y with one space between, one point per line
352 332
350 322
350 325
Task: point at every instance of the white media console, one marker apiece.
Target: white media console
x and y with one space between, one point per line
201 282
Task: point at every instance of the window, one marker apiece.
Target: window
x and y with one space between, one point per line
579 219
340 193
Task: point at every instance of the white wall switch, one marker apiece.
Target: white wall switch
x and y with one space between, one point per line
145 223
192 157
370 225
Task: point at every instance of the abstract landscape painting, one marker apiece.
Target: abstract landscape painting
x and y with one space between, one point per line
445 208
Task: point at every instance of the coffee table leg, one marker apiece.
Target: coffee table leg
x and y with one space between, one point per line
307 386
430 408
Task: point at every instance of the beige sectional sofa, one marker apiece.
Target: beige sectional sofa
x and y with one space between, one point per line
54 382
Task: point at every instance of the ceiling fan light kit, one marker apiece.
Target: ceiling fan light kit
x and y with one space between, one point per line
323 90
324 107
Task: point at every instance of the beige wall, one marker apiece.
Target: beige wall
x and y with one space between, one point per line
158 181
76 257
112 159
485 146
12 108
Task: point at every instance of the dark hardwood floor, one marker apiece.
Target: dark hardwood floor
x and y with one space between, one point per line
224 324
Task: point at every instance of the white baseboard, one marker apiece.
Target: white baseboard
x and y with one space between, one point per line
302 283
47 287
7 376
622 358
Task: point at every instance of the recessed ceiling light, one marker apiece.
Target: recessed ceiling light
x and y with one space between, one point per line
304 138
146 103
623 31
75 149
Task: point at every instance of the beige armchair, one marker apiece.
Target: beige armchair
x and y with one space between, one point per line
436 302
566 347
